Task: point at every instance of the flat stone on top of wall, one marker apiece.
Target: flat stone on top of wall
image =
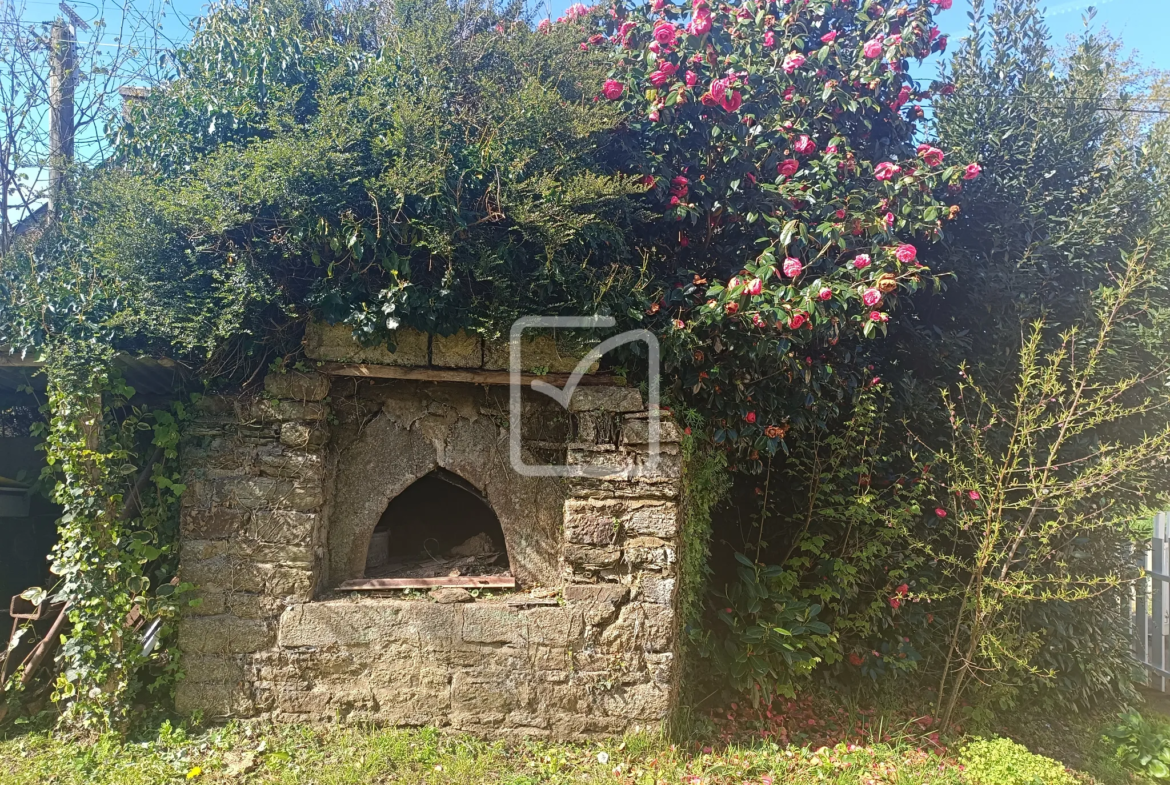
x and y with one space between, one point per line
606 399
461 350
335 343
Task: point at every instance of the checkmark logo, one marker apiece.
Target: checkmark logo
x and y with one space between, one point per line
564 395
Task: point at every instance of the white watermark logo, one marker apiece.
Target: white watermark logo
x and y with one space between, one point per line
564 395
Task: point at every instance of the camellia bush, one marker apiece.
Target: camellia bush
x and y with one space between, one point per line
782 144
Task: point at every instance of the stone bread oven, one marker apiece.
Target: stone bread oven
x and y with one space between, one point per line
408 452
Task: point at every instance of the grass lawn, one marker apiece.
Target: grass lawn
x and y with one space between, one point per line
337 755
810 741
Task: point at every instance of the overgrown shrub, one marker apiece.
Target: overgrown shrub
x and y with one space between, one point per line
1003 762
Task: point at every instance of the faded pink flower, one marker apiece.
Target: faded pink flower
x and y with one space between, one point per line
576 11
906 253
545 25
792 267
804 145
612 89
871 296
788 167
932 155
886 170
793 61
700 23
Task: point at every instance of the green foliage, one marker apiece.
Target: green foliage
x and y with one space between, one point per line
113 470
766 639
704 484
1030 478
1003 762
1141 746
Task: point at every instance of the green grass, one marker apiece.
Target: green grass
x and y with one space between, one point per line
255 753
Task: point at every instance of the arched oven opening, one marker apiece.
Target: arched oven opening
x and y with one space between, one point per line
439 527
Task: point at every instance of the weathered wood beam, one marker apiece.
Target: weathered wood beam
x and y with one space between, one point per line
459 582
468 376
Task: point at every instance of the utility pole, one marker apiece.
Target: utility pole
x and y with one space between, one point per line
62 83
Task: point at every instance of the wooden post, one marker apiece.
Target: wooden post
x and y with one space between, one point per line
62 83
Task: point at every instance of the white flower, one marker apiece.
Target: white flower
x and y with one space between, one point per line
603 758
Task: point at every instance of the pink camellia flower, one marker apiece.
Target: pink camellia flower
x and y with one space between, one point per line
654 47
654 116
691 78
700 23
576 11
793 61
839 215
861 261
679 324
906 253
940 512
871 296
889 219
749 418
788 167
944 5
829 37
972 171
878 316
932 155
886 170
668 68
831 149
758 321
717 89
789 92
895 603
657 78
732 309
825 294
664 33
734 283
658 5
625 28
612 89
754 287
732 100
792 267
804 145
545 25
872 48
769 39
797 320
973 496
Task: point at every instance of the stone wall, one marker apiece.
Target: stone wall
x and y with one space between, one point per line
284 490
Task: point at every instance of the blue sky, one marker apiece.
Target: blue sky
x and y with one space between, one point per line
1142 24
